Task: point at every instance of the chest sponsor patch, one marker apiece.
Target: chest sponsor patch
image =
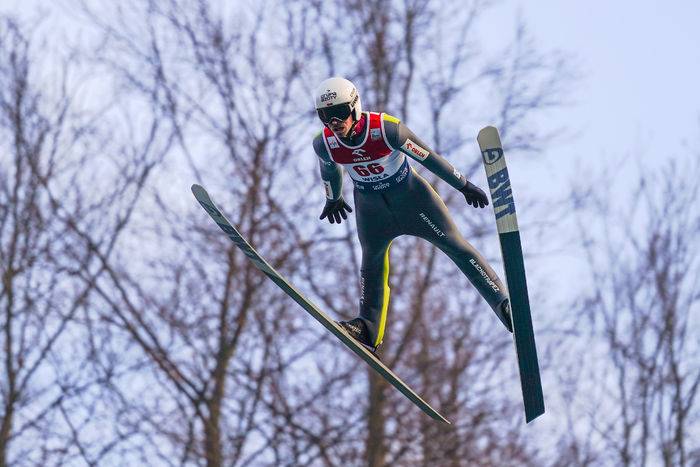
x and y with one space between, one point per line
414 150
375 133
333 142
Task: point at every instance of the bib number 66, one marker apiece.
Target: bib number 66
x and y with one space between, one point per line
369 169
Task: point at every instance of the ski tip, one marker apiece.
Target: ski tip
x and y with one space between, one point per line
489 137
198 189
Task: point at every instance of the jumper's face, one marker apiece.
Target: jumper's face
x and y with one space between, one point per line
341 129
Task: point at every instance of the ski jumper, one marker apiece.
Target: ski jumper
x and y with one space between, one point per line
391 199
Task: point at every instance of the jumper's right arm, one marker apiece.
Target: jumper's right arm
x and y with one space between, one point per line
336 208
331 172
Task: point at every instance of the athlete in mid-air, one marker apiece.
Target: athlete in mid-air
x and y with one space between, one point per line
391 199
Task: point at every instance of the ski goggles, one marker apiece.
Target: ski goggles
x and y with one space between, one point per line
339 112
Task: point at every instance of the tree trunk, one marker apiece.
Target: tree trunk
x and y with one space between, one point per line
376 447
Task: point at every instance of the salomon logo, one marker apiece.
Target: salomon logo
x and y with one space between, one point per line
210 209
246 248
238 240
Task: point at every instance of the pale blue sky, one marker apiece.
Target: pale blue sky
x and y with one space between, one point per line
640 65
639 60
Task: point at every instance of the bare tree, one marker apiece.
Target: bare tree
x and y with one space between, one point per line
195 357
218 338
642 379
38 308
49 193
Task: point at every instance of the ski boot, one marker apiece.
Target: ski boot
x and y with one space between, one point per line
357 329
503 313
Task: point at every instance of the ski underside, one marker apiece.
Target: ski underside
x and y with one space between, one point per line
205 200
514 267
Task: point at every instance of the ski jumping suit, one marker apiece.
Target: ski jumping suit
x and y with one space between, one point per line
391 199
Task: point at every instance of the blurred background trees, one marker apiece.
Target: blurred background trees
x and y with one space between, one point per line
135 333
640 311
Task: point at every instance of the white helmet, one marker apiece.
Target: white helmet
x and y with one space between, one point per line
337 98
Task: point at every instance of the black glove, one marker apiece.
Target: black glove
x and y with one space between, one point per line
474 195
335 209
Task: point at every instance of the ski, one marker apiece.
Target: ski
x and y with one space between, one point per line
514 267
205 200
